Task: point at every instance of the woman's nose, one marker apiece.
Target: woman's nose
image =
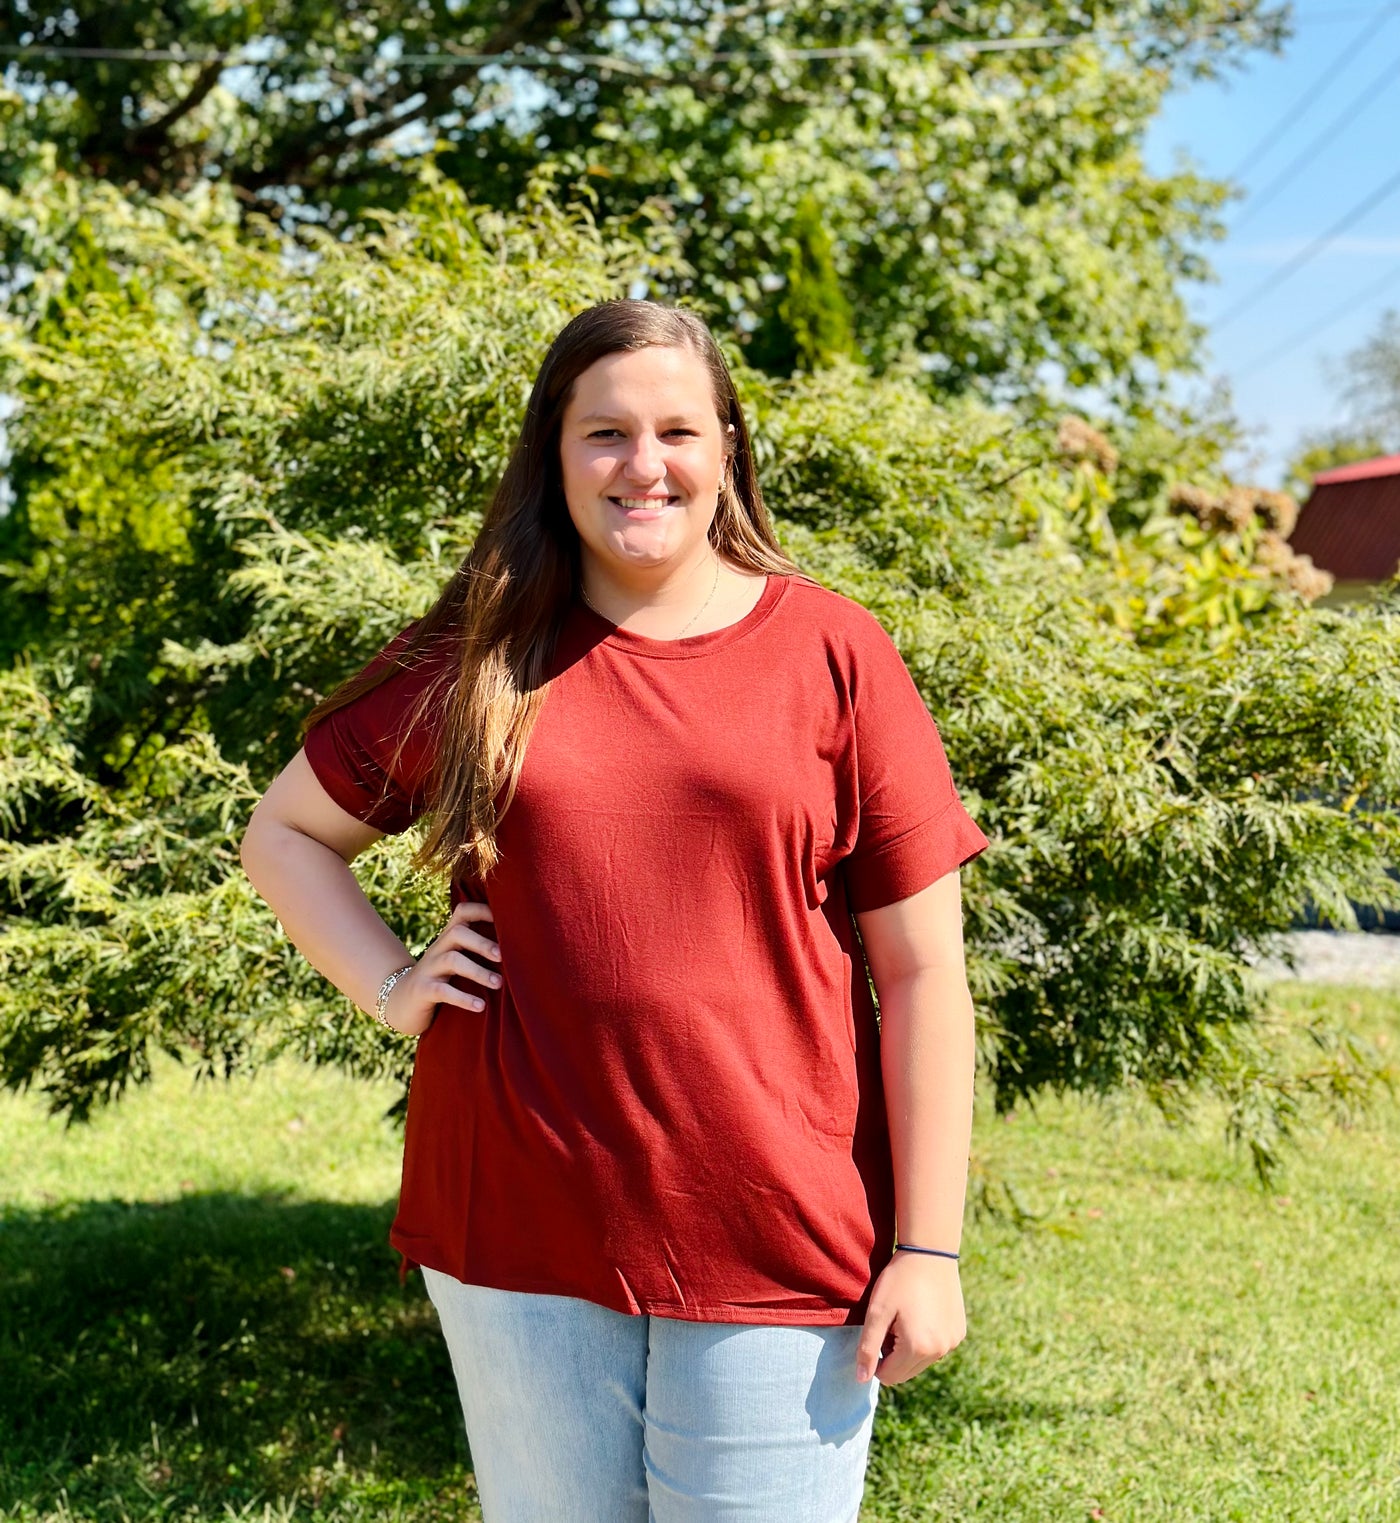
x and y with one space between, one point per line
644 461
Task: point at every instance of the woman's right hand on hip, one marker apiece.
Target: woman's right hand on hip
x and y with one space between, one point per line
413 999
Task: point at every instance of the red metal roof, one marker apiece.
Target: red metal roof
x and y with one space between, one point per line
1350 524
1362 470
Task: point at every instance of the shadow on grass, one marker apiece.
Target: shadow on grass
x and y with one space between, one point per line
218 1349
175 1361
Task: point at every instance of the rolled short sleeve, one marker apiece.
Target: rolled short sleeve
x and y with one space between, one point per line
374 756
912 827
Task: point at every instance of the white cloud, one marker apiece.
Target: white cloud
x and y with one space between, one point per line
1283 249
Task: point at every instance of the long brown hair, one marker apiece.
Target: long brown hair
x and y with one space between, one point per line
506 603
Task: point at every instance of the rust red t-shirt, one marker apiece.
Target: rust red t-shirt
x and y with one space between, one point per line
673 1105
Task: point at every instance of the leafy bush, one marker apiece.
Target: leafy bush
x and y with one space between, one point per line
236 474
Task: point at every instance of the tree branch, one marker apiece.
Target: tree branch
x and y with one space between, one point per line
147 137
513 29
334 137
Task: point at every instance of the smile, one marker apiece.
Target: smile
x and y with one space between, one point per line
644 507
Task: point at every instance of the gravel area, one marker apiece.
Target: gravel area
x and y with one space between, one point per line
1340 957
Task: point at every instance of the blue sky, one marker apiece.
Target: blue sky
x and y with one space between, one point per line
1281 396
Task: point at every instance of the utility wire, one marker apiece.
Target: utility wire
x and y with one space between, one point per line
1298 109
1330 16
1381 193
526 58
1391 277
1383 81
450 58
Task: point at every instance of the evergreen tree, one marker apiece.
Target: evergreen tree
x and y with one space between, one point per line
237 474
809 320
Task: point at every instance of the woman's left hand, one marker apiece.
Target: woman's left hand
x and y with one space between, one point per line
915 1317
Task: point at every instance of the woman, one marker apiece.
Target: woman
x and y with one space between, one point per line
656 1143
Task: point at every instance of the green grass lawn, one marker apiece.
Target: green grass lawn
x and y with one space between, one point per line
200 1318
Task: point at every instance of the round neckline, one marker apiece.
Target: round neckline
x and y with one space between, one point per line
688 645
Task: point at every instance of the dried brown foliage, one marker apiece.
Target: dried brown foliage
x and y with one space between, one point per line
1236 508
1078 440
1185 498
1308 581
1278 509
1273 553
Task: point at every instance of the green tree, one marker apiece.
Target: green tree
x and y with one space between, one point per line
1372 383
1164 789
1368 381
1325 452
810 324
989 212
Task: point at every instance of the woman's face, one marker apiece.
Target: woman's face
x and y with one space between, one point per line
642 453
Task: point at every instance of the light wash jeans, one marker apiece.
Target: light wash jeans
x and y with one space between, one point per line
579 1414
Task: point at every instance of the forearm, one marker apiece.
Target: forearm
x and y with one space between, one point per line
927 1055
323 910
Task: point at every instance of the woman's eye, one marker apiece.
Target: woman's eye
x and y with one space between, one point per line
609 433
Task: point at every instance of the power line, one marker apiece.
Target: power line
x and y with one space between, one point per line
1386 78
1298 109
1391 277
1366 204
1328 17
527 58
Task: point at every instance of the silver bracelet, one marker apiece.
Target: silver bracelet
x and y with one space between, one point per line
382 1001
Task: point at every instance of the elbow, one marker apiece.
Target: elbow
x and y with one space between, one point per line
949 973
250 848
938 989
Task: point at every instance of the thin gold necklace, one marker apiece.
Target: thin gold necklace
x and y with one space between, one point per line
683 627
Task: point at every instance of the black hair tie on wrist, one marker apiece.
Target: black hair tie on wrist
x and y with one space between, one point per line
941 1253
